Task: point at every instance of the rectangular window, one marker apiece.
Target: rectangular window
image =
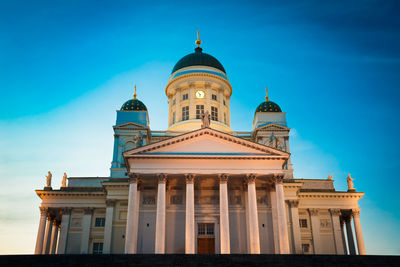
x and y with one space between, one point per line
214 97
306 248
185 97
100 222
199 111
173 117
97 248
185 113
225 118
224 102
214 113
303 223
205 229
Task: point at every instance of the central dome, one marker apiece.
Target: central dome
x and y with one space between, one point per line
198 58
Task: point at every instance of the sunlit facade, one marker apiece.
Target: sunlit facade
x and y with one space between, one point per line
199 186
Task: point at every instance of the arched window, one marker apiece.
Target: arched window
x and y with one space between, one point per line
129 146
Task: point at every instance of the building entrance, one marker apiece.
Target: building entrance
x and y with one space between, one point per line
205 238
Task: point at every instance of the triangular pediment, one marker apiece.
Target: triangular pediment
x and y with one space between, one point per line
272 127
207 142
130 125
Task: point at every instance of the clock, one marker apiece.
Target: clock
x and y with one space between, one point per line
200 94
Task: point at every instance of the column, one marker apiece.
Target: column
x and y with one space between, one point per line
294 212
316 233
189 222
110 204
41 230
274 213
224 214
246 207
86 224
160 220
343 237
64 228
350 238
282 221
253 215
359 234
337 231
54 236
47 235
130 233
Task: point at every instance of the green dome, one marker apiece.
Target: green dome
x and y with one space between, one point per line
133 105
268 106
198 58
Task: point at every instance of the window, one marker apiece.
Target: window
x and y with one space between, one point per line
305 248
214 113
224 102
204 229
173 117
303 223
100 222
199 111
174 101
185 113
214 97
185 97
225 118
97 248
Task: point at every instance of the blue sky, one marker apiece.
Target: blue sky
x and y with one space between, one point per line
66 66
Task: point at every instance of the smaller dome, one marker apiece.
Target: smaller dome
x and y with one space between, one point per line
268 106
134 105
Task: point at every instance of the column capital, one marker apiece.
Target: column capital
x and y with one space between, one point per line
110 202
278 178
189 178
314 212
43 210
355 213
223 178
294 203
88 211
251 178
66 211
133 177
335 212
162 178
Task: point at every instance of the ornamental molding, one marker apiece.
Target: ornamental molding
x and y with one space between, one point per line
329 195
314 212
190 178
251 178
223 178
355 213
270 153
335 212
133 177
162 178
271 127
63 194
196 75
294 203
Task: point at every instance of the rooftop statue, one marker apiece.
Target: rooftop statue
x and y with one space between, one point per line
350 185
205 119
64 180
48 179
330 176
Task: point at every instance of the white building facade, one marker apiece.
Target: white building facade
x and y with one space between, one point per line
199 187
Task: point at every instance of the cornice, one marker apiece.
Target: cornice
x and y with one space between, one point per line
327 195
197 74
59 193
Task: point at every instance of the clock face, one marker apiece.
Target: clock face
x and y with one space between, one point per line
200 94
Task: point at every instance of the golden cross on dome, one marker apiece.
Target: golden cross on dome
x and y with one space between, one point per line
266 94
198 41
134 95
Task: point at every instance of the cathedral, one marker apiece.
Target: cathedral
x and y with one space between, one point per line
199 187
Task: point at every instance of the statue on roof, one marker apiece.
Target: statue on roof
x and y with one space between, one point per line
64 180
205 119
350 185
48 179
330 176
